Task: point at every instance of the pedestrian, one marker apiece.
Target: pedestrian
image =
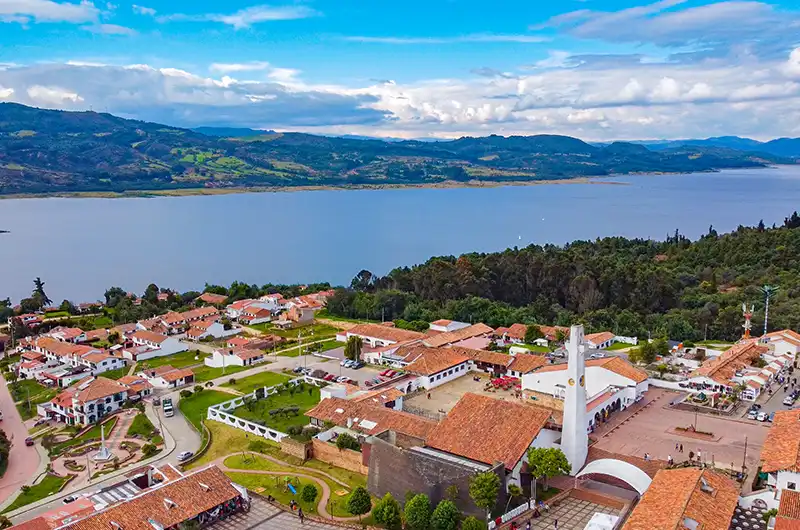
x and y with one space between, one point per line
528 526
676 446
681 450
301 515
669 459
555 524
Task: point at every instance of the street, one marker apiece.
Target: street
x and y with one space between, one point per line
23 461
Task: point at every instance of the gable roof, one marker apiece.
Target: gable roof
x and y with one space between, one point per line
721 369
434 360
190 496
135 383
675 495
599 338
90 389
484 356
488 430
781 449
516 331
212 298
378 331
372 419
377 397
618 365
443 339
149 336
788 517
527 362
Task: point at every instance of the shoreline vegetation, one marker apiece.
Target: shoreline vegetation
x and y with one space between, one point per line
191 192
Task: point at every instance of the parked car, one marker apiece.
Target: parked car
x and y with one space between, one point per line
762 416
185 455
348 363
297 369
384 373
752 415
788 401
391 373
352 382
329 377
69 498
344 362
357 365
755 406
368 383
342 379
771 416
597 355
29 441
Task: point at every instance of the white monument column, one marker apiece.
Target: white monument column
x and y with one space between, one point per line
575 436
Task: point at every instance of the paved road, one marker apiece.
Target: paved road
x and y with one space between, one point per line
23 461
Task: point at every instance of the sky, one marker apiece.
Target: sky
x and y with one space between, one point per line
594 69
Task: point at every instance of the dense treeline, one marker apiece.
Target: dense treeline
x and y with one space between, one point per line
688 290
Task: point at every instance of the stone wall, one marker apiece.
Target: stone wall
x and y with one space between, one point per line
397 471
344 458
301 450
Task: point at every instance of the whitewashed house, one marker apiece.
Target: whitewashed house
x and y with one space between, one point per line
242 357
148 345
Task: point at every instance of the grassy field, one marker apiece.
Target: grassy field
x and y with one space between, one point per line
177 360
305 399
115 374
620 346
56 314
141 426
320 331
195 406
275 485
49 485
206 373
533 348
250 383
25 389
93 433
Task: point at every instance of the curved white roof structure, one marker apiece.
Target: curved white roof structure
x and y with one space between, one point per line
635 477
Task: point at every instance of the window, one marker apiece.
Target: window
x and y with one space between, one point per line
791 486
438 377
108 400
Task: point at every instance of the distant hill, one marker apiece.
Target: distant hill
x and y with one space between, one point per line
782 147
46 151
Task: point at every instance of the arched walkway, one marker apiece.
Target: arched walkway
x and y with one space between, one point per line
632 475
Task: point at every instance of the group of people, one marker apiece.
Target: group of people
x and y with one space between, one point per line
538 508
294 506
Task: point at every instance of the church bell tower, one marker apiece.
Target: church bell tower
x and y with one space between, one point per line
574 435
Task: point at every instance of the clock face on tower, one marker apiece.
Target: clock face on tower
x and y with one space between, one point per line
583 380
571 382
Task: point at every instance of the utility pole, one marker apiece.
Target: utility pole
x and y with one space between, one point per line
744 458
705 335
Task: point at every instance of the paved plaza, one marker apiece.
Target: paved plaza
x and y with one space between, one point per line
649 431
572 514
444 398
264 516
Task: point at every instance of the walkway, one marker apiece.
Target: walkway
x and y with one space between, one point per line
23 461
322 507
266 516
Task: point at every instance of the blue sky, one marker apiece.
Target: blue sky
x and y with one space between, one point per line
597 69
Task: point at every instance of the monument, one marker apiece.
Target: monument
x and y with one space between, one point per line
574 435
747 316
103 454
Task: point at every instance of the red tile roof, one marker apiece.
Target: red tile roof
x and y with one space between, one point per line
599 338
249 354
99 388
788 517
517 331
211 298
149 336
376 331
174 375
135 383
378 397
618 365
489 430
339 411
483 356
675 495
451 337
721 369
526 362
442 322
781 448
435 360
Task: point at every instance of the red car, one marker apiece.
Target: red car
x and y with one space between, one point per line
29 441
391 373
384 372
329 377
368 383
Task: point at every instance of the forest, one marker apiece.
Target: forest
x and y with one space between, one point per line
682 289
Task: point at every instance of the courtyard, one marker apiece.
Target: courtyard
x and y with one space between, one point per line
650 429
571 514
443 398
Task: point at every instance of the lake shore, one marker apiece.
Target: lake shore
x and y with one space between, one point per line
190 192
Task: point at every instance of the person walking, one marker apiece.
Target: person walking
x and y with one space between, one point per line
301 515
681 449
669 459
676 446
555 524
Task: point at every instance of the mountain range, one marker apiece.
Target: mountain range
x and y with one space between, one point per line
50 151
785 147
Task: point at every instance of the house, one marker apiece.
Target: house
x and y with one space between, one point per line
200 329
137 386
191 500
30 369
74 335
689 498
90 307
301 315
784 341
378 335
366 418
525 363
612 383
732 368
389 397
103 361
490 362
168 377
236 309
444 325
147 345
437 366
600 341
489 430
515 334
30 320
554 333
88 401
477 336
780 454
254 314
212 298
235 357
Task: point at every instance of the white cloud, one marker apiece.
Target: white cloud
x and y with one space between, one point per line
24 11
792 66
6 92
142 10
476 37
226 68
52 96
247 17
109 29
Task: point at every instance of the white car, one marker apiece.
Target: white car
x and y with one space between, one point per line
186 455
788 401
762 416
597 355
752 415
341 379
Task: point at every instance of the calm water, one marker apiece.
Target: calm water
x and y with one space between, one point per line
82 246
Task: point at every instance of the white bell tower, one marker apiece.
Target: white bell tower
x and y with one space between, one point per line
574 435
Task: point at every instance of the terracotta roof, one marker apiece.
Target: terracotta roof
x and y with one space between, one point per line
384 332
378 397
249 354
211 298
676 495
782 445
200 312
238 341
166 505
135 383
122 329
27 365
37 523
489 430
67 333
450 337
172 318
550 332
32 355
483 356
788 517
195 332
435 360
721 369
442 322
599 338
651 467
99 388
526 362
97 334
97 357
59 516
149 336
517 331
339 411
599 399
618 365
174 375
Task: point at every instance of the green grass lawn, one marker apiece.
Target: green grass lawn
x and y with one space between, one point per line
206 373
115 374
93 433
25 389
259 410
195 406
250 383
49 485
56 314
177 360
321 331
532 348
619 346
323 313
141 426
275 485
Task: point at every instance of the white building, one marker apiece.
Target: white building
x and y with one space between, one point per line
378 335
168 377
780 454
148 345
88 401
210 328
239 308
443 325
242 357
784 341
600 341
437 366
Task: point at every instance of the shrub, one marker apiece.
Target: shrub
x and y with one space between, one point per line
294 430
359 502
445 516
232 381
186 393
198 389
257 446
387 512
149 450
309 493
345 441
471 523
418 513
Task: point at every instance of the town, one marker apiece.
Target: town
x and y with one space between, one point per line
271 412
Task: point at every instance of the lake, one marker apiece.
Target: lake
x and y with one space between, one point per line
79 247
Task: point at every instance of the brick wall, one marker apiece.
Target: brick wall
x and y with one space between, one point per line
301 450
344 458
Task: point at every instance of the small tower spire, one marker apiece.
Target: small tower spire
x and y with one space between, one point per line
574 435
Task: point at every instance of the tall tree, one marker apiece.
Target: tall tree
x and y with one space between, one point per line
352 348
418 513
483 489
38 293
532 333
387 513
445 516
547 462
359 502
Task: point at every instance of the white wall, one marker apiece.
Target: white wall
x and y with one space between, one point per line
432 381
783 480
597 380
